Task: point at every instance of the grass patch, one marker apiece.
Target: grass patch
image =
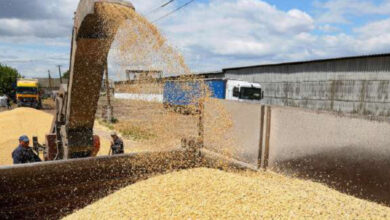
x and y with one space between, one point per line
136 133
106 124
128 130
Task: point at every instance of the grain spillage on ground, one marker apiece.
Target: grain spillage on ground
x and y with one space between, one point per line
30 122
18 122
162 128
207 194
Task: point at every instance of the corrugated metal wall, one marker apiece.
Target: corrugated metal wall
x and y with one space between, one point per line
351 85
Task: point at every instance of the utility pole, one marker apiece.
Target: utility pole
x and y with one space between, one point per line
59 72
109 108
50 85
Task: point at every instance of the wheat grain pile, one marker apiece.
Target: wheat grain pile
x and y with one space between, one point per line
18 122
30 122
212 194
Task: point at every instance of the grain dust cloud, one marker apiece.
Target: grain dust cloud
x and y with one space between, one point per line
140 47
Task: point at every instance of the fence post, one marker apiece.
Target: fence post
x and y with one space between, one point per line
267 138
262 112
201 122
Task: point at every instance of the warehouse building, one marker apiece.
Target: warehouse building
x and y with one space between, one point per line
200 75
143 75
50 85
357 85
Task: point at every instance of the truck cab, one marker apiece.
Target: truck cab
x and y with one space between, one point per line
28 93
241 90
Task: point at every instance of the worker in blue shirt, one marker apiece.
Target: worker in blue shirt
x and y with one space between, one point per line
23 153
116 145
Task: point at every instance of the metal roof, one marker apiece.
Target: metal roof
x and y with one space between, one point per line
309 61
54 82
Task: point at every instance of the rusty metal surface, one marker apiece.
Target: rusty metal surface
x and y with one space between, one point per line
93 33
86 7
215 160
51 190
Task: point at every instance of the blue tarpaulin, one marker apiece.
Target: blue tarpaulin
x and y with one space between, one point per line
185 93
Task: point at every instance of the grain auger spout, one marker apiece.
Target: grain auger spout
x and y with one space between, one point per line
71 135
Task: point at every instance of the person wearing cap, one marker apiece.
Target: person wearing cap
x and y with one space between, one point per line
116 144
23 153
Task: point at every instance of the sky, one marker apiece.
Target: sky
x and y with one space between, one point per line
35 35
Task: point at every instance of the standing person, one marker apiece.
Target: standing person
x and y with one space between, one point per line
116 145
23 153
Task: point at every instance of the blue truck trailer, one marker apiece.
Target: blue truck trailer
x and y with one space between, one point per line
182 93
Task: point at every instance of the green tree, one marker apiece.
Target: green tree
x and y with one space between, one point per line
66 75
8 77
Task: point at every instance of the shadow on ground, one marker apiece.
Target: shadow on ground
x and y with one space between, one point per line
362 173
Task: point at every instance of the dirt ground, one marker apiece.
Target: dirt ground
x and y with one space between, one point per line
143 126
17 122
2 109
148 126
143 88
48 105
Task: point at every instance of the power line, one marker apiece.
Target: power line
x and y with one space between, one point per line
159 7
177 9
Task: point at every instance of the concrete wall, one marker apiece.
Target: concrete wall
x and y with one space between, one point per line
140 97
233 128
349 154
354 85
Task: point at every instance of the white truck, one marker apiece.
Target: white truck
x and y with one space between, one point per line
241 90
184 93
3 101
